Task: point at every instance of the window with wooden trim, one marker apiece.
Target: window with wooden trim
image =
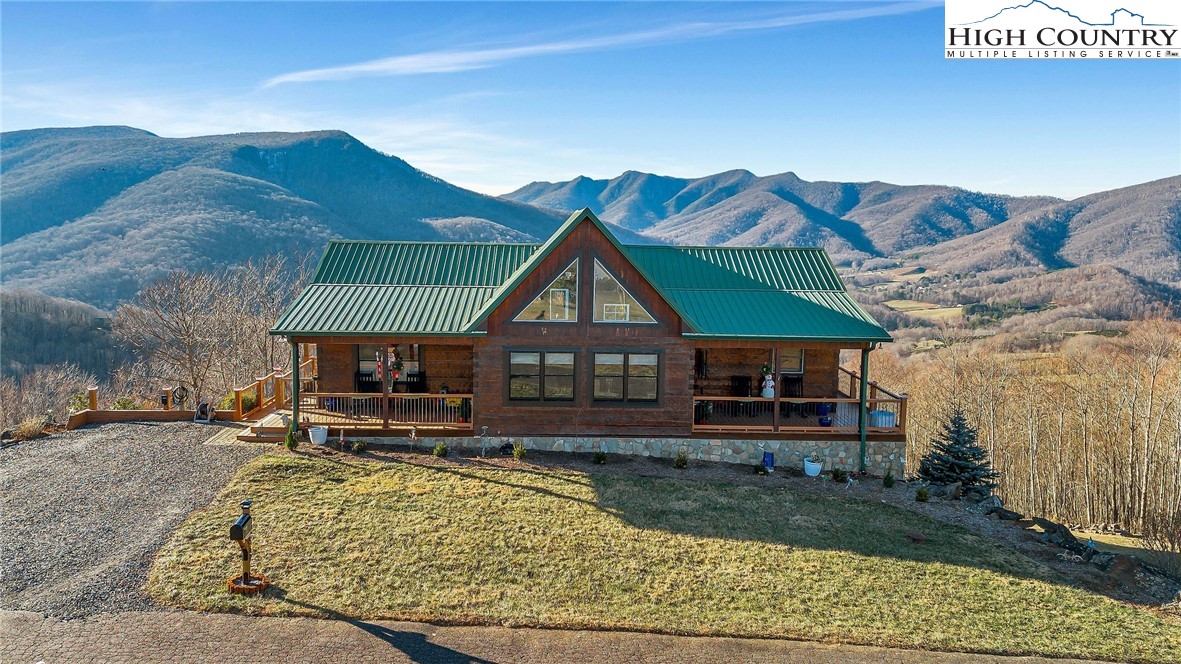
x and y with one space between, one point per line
612 302
791 361
541 376
558 302
626 377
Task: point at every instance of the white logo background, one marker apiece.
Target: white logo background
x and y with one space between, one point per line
1066 17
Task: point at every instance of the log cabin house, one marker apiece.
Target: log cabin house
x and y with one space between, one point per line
584 343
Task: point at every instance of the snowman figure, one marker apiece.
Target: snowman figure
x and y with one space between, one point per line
768 387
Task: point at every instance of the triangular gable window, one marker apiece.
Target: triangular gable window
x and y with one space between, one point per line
558 302
613 304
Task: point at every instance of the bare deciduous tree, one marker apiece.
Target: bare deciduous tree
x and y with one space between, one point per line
180 323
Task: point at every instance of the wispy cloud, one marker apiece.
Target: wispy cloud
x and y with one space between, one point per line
444 61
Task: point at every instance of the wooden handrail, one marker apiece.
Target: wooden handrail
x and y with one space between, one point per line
378 395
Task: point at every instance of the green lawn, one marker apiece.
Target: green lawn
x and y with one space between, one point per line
471 544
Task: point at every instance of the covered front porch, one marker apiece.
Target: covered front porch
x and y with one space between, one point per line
810 392
395 384
388 384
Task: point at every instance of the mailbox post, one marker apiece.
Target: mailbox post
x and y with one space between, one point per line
240 532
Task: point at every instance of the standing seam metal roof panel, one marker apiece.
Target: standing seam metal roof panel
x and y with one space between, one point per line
420 263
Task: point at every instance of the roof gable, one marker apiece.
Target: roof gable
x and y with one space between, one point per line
561 235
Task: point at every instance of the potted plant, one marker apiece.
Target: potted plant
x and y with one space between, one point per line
812 468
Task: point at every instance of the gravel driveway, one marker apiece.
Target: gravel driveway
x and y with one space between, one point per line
83 512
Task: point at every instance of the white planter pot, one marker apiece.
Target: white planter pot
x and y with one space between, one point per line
319 435
812 468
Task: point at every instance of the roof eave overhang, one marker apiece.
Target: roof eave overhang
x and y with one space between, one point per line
372 333
780 337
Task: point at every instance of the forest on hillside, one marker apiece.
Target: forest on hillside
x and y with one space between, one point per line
1088 432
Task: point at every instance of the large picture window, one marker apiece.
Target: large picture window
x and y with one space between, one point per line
612 302
626 377
558 302
541 376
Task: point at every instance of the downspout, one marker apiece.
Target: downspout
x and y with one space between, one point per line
294 386
863 413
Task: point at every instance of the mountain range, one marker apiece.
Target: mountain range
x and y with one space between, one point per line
1136 228
93 214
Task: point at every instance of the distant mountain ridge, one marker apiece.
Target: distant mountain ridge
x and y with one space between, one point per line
853 221
1137 228
95 213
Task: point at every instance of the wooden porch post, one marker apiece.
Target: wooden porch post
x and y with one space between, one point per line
294 387
775 375
385 386
862 413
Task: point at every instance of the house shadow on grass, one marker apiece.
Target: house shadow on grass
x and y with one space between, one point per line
414 645
818 519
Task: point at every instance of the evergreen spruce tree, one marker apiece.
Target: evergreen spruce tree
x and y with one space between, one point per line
955 456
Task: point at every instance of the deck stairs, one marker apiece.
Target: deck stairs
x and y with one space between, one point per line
267 429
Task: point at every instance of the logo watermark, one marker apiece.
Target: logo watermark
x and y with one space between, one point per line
1062 29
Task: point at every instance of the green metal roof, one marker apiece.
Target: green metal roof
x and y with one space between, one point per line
756 293
736 268
449 288
420 263
363 309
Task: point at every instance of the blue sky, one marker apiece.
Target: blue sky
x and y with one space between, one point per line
492 96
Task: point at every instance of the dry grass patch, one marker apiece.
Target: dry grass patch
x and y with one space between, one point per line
458 542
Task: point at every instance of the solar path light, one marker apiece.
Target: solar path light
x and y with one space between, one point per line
247 584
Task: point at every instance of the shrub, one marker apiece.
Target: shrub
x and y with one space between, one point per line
291 440
888 480
682 460
124 403
839 475
30 427
600 457
922 495
249 401
360 446
440 450
79 401
760 469
519 451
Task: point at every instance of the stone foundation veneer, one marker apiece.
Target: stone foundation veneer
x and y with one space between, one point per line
881 456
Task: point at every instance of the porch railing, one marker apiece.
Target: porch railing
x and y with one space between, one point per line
270 391
369 410
887 414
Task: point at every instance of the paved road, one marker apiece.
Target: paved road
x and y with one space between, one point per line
182 636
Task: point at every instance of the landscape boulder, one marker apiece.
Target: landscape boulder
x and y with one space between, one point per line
1060 536
945 491
978 494
987 506
1008 515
